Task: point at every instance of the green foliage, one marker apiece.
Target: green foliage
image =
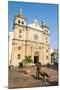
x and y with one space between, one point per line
27 59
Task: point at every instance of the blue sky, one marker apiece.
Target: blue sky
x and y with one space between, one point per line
47 12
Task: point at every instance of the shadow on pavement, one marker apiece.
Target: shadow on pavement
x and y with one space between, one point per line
51 83
36 77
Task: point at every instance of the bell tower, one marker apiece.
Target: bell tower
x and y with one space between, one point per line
19 24
19 30
20 19
46 42
45 27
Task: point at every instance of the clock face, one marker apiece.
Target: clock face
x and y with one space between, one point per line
35 36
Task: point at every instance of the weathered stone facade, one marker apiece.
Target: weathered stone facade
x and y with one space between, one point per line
30 40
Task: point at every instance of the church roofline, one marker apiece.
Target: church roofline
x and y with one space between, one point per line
44 26
31 28
37 30
20 17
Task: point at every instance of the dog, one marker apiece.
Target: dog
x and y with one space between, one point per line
44 75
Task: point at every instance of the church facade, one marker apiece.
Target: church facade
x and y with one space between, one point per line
30 40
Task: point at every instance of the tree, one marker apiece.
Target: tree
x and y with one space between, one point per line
27 59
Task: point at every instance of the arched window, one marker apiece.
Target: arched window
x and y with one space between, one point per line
22 22
18 56
46 51
46 57
19 47
19 21
36 54
46 41
20 31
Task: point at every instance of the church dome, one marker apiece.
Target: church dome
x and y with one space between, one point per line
35 25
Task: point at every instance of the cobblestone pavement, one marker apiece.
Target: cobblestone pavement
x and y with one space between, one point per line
17 78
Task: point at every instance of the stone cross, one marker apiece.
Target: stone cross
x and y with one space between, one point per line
20 11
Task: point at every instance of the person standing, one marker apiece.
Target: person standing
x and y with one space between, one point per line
38 64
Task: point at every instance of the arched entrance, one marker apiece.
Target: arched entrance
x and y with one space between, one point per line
36 57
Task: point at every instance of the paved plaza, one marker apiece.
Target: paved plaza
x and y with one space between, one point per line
18 79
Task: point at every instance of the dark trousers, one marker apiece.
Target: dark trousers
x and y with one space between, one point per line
37 74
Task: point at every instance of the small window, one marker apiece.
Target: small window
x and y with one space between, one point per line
22 22
19 36
19 48
46 57
20 31
46 41
46 51
18 56
18 21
